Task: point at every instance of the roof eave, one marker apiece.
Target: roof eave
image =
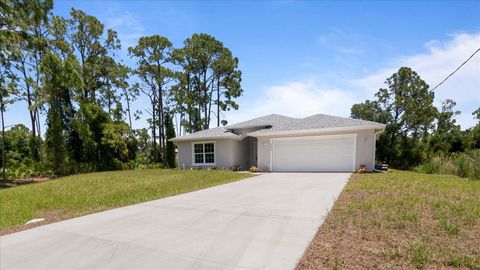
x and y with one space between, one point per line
317 131
180 139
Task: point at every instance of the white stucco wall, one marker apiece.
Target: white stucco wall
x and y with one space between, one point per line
364 152
228 153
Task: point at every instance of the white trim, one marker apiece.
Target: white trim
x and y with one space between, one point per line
318 131
352 135
199 139
204 159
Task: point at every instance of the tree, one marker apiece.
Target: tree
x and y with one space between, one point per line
447 136
17 148
446 117
7 90
93 136
369 110
228 79
476 114
129 93
208 69
153 58
406 106
59 78
170 146
25 24
85 35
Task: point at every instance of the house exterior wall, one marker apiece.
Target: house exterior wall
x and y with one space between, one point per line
228 153
364 153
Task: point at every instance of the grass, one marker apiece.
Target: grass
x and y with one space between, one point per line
400 220
82 194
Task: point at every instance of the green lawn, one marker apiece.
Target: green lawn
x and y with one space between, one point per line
400 220
87 193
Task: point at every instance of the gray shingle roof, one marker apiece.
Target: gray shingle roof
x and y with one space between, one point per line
267 120
317 121
218 132
273 123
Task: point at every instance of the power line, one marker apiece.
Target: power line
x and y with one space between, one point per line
471 56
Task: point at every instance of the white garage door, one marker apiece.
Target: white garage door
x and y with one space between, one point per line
312 154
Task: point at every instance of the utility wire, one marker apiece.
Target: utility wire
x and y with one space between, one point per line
471 56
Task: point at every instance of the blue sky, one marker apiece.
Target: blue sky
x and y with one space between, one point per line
301 58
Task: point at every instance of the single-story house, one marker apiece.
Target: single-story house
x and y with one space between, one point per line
280 143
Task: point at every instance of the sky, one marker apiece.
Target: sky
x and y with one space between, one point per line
303 58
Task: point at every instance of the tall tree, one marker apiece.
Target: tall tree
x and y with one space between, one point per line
128 93
447 136
208 69
94 50
446 117
228 79
406 105
153 56
25 24
59 78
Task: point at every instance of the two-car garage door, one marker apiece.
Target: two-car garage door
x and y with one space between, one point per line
334 153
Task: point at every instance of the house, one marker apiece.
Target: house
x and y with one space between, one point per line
280 143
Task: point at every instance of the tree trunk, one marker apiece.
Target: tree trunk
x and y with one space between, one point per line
154 131
206 122
4 172
39 133
160 122
218 102
29 100
128 108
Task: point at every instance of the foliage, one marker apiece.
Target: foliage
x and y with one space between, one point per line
463 164
67 70
415 130
18 159
209 77
153 57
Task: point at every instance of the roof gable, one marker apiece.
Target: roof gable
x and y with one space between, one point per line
274 123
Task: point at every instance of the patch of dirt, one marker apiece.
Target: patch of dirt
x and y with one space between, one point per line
50 217
352 238
17 182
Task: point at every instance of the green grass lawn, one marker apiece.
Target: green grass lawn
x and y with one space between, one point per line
400 220
87 193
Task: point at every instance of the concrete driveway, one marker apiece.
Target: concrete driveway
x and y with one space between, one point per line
264 222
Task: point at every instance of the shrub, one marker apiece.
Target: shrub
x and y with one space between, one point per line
253 169
462 164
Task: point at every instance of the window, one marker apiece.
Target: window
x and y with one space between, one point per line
204 153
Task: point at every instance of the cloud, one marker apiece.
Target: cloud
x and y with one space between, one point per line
296 99
439 60
302 98
127 25
341 42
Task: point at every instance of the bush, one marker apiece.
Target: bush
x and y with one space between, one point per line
462 164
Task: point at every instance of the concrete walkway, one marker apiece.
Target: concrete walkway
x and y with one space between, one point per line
264 222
